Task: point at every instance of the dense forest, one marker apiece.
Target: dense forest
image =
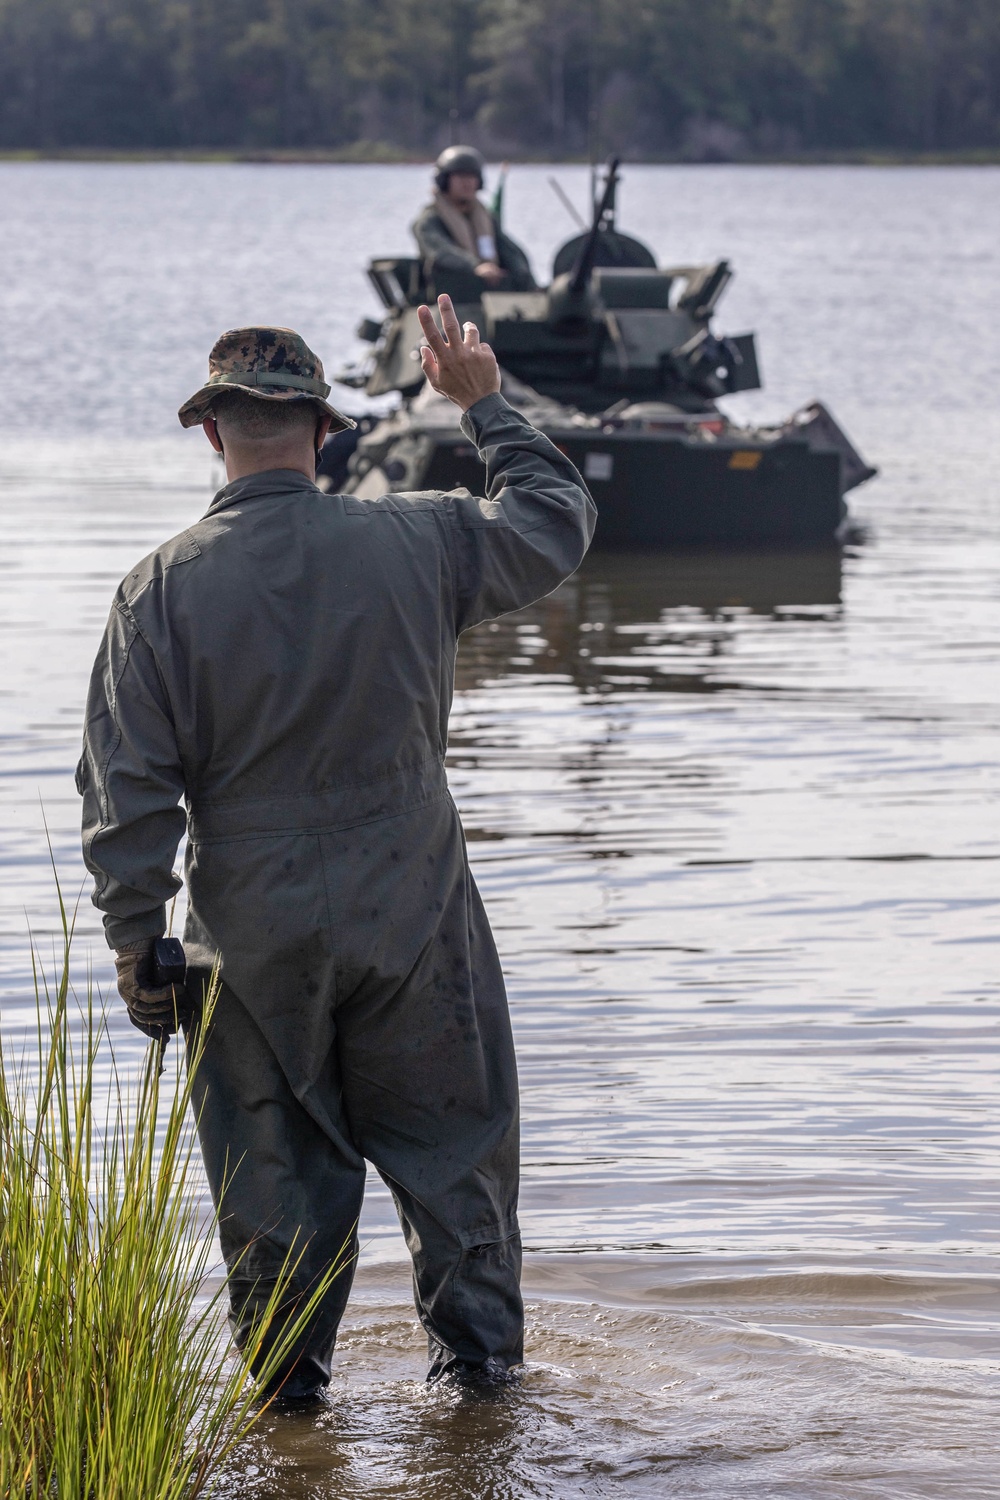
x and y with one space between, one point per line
695 79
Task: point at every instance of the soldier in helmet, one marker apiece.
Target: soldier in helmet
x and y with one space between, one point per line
457 233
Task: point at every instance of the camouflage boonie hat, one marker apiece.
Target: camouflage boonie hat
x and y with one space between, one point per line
273 364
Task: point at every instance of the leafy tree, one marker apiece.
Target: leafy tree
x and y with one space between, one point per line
698 77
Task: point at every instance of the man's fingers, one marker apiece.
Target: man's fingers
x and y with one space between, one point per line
431 331
155 1007
449 322
429 364
471 336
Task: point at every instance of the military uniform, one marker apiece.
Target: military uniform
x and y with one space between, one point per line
440 252
285 667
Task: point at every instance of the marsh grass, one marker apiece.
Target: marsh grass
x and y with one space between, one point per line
117 1380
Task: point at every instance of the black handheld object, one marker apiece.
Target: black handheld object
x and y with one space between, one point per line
169 967
169 963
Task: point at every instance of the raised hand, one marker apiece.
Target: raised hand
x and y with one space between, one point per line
461 368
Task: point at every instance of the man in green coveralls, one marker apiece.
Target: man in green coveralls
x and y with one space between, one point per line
285 667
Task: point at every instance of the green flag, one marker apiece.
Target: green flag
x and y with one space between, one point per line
496 206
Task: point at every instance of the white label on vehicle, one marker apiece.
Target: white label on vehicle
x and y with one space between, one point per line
598 466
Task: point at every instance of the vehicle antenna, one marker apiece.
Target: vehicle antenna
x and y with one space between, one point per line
567 204
593 108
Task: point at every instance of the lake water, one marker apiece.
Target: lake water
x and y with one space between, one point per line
734 819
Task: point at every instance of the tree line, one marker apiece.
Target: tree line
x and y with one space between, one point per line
698 79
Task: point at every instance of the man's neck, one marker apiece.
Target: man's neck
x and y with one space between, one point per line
241 466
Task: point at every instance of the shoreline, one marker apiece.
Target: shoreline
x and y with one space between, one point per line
378 153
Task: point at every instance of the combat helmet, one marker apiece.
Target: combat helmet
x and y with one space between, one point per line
458 159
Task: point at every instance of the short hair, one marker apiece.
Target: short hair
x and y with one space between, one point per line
253 419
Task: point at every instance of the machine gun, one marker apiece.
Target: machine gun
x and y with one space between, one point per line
569 301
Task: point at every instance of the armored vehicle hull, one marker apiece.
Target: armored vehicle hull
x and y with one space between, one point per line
652 491
618 365
656 484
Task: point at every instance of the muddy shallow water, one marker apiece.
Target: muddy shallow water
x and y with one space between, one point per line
734 819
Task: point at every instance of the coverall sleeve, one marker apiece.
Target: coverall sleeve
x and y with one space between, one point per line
437 248
534 526
131 780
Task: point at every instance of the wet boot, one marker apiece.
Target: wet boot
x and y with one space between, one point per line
459 1374
302 1388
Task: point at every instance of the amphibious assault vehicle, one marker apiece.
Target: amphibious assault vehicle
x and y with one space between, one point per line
617 362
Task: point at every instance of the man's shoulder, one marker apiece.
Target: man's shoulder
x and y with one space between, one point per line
430 222
183 548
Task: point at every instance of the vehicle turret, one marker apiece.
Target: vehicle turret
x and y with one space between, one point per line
618 362
612 324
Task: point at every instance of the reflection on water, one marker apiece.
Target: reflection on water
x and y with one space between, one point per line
619 599
731 818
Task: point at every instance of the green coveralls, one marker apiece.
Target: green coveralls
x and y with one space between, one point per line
439 251
286 667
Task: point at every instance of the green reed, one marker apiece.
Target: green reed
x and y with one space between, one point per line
117 1379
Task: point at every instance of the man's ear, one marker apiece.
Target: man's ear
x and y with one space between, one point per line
323 430
211 431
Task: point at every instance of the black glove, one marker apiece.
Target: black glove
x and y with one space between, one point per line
158 1011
